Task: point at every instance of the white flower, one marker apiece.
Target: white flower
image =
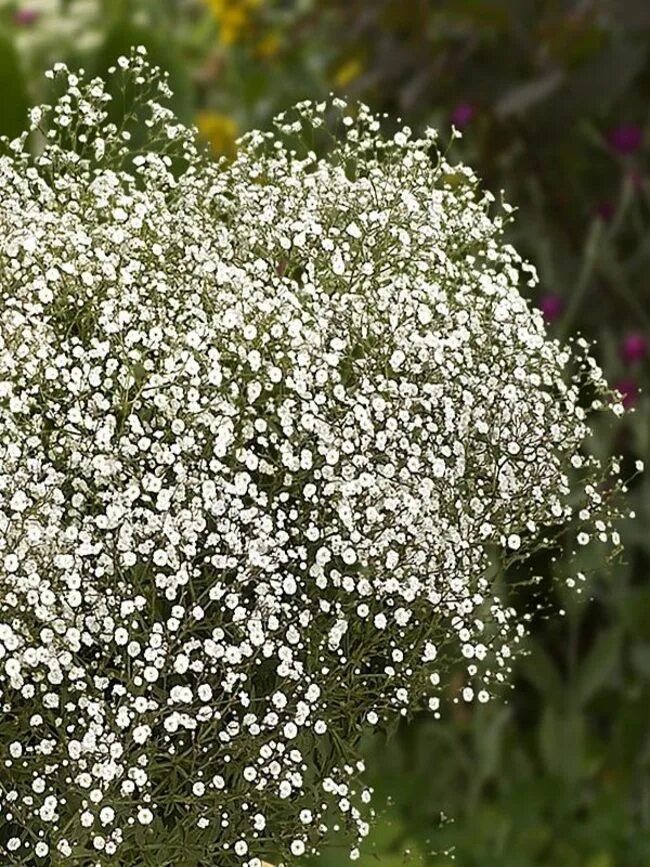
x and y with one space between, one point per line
338 265
430 652
259 822
106 815
514 541
290 731
141 734
145 816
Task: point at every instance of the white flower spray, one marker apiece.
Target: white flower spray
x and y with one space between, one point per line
269 432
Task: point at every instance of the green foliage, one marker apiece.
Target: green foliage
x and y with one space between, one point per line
12 86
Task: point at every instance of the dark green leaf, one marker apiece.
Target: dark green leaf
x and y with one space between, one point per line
562 742
528 94
596 85
599 664
13 116
541 671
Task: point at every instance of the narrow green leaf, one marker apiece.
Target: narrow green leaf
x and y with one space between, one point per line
13 117
598 665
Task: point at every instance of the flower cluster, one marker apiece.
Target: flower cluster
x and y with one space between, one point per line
272 433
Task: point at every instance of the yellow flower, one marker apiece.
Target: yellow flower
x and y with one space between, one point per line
234 18
347 71
268 46
218 130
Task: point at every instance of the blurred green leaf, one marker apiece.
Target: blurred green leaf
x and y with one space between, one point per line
594 86
13 116
603 859
528 94
597 667
488 738
641 659
540 670
562 742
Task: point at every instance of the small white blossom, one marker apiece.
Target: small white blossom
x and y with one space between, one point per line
145 816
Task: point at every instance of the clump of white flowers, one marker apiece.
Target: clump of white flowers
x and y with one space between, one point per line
269 429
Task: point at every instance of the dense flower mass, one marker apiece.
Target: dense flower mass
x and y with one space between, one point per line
272 432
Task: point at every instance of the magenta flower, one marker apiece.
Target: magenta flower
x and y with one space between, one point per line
626 138
637 180
629 388
634 347
551 307
605 210
25 17
462 114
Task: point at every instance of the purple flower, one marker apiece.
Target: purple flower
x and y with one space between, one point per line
634 347
551 306
626 138
629 389
25 17
605 210
637 180
462 114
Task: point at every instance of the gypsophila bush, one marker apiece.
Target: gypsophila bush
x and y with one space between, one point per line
270 432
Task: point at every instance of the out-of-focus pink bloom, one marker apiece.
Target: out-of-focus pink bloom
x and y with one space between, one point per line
634 347
637 180
462 114
626 138
551 306
605 210
25 17
629 388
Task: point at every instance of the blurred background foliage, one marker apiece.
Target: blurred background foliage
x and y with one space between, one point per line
552 98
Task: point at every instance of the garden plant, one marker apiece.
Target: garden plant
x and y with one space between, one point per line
281 437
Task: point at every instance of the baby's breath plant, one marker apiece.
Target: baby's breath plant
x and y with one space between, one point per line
273 434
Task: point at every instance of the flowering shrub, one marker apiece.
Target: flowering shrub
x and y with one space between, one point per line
273 433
